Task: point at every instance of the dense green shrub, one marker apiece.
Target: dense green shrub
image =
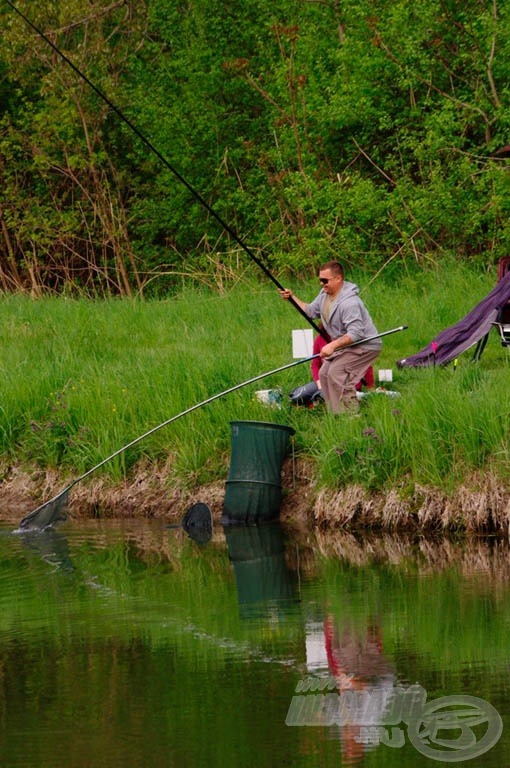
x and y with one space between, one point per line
313 129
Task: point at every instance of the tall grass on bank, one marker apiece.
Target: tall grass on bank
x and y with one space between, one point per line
445 426
79 379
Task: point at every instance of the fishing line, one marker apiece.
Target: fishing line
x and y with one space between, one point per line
164 160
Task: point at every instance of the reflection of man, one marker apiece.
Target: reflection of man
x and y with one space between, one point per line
357 662
358 656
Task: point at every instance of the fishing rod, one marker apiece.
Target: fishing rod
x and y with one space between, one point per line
52 511
233 234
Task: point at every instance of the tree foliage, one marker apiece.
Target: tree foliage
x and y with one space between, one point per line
371 131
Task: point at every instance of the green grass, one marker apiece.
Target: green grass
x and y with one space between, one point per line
79 379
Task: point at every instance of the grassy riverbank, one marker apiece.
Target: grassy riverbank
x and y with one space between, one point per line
80 379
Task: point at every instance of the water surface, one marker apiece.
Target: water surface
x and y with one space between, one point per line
131 644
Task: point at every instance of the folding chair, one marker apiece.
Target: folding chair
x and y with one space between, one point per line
502 324
502 321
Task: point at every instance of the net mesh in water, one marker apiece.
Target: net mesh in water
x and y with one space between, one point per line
48 514
198 523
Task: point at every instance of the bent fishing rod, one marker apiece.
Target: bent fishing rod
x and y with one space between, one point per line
53 510
233 234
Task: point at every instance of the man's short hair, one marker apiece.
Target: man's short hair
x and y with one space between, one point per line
334 266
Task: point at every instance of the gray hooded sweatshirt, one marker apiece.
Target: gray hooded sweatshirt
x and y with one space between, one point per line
348 315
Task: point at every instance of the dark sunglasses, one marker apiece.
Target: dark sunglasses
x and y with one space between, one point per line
325 280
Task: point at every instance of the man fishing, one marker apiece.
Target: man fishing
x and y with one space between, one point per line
346 320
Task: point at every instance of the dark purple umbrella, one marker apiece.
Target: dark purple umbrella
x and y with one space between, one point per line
451 342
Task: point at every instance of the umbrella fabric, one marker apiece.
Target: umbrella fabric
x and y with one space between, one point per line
451 342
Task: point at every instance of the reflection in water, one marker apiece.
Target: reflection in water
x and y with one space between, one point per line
357 661
417 554
156 659
392 587
263 580
50 545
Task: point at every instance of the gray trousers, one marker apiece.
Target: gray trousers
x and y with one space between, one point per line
338 377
